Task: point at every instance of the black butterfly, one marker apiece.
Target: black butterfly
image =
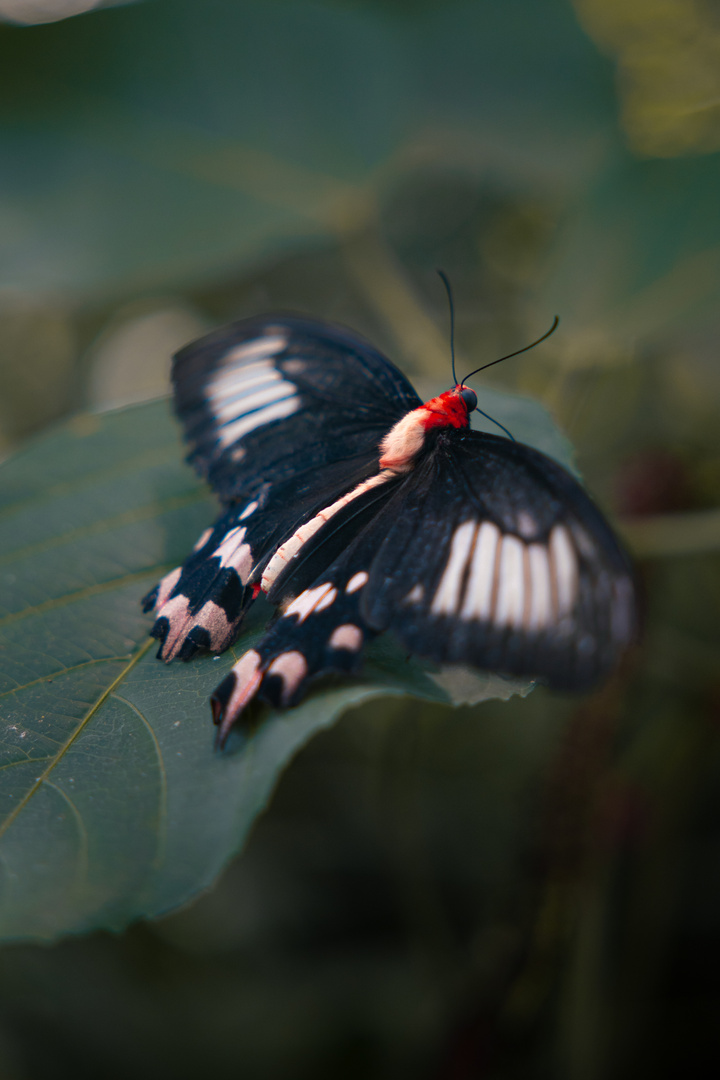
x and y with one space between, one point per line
357 508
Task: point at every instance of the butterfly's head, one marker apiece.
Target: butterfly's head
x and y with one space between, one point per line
451 409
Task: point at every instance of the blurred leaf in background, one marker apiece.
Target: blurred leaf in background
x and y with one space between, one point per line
523 888
669 70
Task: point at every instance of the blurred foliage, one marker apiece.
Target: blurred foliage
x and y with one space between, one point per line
669 63
520 889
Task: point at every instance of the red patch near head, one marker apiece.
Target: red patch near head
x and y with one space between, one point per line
447 410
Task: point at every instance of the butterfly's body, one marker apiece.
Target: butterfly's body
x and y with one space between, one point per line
357 508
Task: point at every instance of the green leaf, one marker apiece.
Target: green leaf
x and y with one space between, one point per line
114 805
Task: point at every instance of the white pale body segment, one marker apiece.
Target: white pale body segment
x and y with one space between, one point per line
292 546
501 579
403 441
316 599
235 553
348 636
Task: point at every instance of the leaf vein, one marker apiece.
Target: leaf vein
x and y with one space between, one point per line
162 808
128 517
82 594
5 825
82 867
62 671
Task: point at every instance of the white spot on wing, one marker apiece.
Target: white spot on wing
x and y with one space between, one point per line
237 383
540 611
231 432
249 509
234 552
203 540
415 595
356 582
564 561
166 586
213 618
269 345
310 600
327 600
583 542
177 613
347 636
479 592
293 366
511 583
292 669
526 525
247 680
447 597
250 403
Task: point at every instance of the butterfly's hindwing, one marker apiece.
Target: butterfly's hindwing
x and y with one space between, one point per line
494 556
201 604
318 631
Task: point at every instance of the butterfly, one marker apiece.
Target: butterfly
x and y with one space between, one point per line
357 508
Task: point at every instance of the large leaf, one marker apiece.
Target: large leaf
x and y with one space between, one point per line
114 805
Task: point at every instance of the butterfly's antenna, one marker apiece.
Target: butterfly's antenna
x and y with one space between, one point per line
517 351
497 423
448 290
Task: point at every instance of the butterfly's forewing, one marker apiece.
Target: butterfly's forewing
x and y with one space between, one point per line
493 555
283 416
278 399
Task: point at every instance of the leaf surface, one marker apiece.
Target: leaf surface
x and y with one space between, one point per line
114 805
